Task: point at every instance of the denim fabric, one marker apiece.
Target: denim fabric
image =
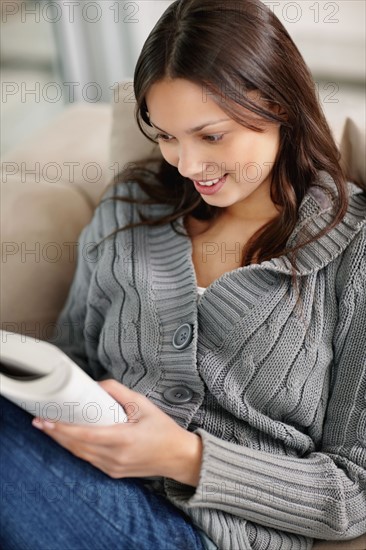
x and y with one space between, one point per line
207 542
52 500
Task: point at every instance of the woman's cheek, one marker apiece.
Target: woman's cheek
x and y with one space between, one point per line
169 155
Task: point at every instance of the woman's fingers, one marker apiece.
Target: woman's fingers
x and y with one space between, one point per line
105 436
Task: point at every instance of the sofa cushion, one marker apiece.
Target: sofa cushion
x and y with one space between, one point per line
128 144
71 150
353 147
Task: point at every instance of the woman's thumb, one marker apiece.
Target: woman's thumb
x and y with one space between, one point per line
129 399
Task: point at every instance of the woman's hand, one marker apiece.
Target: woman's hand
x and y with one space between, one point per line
149 444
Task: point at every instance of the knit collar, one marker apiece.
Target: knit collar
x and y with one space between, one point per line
315 212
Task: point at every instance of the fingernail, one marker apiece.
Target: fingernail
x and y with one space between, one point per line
37 423
48 425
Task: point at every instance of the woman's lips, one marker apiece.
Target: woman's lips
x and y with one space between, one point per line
210 190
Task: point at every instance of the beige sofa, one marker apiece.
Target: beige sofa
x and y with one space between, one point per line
49 188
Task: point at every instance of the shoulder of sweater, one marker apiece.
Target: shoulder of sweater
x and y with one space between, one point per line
316 213
353 257
109 213
352 264
112 213
118 190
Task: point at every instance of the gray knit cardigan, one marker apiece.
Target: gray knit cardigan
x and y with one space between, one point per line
279 384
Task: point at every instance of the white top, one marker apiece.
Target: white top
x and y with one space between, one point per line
200 290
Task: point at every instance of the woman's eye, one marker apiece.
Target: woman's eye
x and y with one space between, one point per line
211 139
163 137
214 139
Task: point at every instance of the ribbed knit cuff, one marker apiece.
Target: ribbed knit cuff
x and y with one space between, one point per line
297 495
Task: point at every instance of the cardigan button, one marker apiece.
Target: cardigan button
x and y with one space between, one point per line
183 336
178 395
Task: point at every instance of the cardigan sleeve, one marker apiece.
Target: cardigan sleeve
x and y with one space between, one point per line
73 332
68 334
322 495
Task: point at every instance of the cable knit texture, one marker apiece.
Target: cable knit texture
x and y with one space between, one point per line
279 384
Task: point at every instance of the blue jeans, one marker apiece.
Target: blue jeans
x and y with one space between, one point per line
52 500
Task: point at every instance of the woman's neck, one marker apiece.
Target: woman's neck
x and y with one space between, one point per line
257 208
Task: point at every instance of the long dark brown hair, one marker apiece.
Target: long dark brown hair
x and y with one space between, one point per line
232 47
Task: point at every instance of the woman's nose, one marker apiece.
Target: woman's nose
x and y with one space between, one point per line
189 163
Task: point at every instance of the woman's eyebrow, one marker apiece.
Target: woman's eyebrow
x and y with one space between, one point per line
196 128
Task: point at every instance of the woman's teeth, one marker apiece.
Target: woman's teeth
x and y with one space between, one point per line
209 183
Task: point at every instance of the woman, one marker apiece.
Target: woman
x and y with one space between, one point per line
246 395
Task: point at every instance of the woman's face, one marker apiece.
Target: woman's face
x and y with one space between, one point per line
222 147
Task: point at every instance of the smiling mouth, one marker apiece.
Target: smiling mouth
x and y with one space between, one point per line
210 187
209 183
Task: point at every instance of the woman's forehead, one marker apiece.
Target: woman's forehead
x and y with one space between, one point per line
175 97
